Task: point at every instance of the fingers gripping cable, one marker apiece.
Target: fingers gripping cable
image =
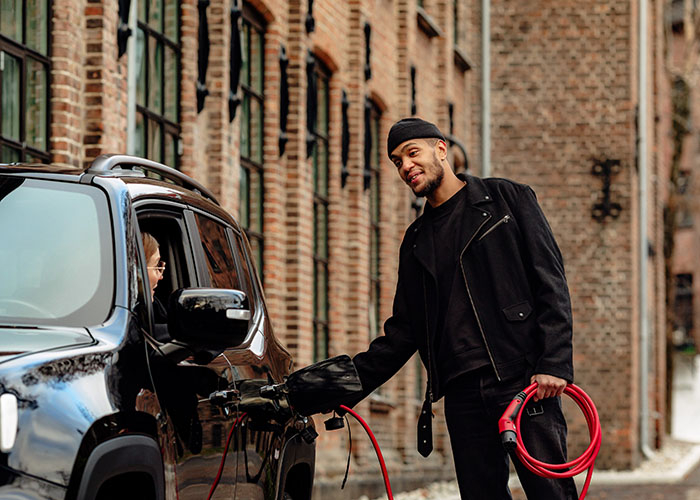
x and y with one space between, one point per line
509 428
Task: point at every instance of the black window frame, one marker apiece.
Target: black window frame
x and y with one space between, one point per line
22 51
249 166
321 201
167 127
374 170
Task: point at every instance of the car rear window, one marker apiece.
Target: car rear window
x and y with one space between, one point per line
56 253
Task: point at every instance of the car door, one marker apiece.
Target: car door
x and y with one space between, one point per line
261 422
185 380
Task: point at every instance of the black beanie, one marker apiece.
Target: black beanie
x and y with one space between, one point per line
411 128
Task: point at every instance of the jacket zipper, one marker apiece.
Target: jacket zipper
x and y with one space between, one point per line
427 339
504 220
471 300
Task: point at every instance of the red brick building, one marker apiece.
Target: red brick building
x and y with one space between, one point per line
282 109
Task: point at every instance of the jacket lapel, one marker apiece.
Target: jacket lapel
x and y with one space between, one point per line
476 214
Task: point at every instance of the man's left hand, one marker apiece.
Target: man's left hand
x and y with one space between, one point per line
548 386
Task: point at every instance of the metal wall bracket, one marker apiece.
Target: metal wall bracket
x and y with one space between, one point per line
123 32
202 54
284 99
606 169
345 140
235 61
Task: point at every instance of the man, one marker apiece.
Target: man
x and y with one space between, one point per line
482 296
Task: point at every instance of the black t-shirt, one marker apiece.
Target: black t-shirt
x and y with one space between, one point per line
459 345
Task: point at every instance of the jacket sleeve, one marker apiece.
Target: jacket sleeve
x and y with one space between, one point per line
389 352
550 290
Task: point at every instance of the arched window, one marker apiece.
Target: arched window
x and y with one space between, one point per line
24 81
320 162
375 203
252 193
157 65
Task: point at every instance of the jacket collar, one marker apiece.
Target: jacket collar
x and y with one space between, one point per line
477 198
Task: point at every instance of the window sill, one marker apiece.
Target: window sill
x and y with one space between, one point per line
427 24
461 60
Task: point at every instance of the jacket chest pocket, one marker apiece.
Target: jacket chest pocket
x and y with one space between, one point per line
517 312
502 221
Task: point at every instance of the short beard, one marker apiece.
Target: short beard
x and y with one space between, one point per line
435 183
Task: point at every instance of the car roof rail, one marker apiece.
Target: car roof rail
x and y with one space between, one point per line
121 164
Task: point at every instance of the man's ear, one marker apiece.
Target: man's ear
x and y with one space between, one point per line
441 148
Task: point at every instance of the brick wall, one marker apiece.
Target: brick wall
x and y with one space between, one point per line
563 86
564 93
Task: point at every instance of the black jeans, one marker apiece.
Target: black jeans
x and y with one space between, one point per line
473 404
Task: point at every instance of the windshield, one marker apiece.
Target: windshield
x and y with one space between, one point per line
55 254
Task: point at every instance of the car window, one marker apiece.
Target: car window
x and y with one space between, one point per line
56 250
219 258
244 264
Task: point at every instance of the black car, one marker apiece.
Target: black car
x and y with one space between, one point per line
107 392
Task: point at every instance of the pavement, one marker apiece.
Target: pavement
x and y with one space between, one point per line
672 473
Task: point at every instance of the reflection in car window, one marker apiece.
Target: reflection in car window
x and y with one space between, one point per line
244 264
217 251
56 252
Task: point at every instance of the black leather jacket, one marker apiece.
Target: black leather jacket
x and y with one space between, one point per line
515 280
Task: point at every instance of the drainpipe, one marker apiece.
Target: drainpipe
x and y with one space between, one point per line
485 88
643 116
132 68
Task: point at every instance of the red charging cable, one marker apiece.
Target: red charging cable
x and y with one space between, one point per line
225 454
387 485
509 428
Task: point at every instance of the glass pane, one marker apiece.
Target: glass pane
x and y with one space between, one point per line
143 15
374 254
37 99
11 19
257 247
154 135
322 111
374 199
376 156
37 26
322 168
256 130
9 155
171 20
155 70
10 111
244 203
171 79
245 127
219 257
322 287
256 60
170 150
245 43
255 222
155 14
140 65
321 232
140 136
56 240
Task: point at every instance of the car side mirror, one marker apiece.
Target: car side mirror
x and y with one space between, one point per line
208 317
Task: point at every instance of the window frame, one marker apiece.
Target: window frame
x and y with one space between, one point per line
321 134
166 126
22 51
375 212
249 166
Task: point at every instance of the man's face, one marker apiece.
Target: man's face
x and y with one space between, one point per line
418 165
